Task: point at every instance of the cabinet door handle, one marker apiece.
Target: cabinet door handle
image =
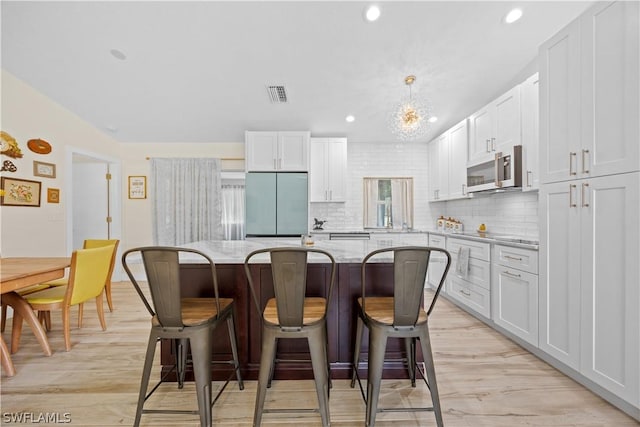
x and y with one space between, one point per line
330 194
508 273
529 173
585 204
325 194
488 145
493 144
584 162
466 293
280 163
513 257
464 189
571 203
571 156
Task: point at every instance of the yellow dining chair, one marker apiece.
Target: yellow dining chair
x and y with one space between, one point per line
88 275
88 244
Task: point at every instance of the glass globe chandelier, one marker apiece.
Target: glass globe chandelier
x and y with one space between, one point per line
408 121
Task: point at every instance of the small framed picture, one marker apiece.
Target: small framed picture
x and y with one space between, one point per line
20 192
53 195
137 187
47 170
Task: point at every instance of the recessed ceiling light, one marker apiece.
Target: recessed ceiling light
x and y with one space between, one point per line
372 13
350 119
433 119
118 54
513 16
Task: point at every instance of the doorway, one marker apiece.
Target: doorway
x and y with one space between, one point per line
93 199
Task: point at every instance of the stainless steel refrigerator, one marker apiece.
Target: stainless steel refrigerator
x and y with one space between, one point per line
276 204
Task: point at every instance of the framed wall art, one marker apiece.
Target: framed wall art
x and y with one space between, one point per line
47 170
20 192
53 195
137 187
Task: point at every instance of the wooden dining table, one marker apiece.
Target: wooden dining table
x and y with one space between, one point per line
21 273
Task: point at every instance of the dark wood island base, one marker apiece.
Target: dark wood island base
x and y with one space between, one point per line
232 282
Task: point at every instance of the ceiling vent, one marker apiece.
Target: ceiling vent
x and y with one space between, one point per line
277 94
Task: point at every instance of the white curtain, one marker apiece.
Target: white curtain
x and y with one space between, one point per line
186 200
233 211
371 203
402 206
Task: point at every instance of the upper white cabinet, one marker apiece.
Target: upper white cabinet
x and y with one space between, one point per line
438 153
328 169
495 128
457 165
529 108
447 164
589 95
277 151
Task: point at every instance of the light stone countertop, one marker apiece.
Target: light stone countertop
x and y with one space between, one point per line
344 251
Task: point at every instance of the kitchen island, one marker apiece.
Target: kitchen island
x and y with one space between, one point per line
229 257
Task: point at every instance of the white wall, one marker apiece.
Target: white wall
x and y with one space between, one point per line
27 114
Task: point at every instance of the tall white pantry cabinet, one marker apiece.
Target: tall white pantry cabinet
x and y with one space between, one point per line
590 199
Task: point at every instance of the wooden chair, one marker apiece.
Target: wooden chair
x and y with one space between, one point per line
292 313
87 277
88 244
185 321
402 316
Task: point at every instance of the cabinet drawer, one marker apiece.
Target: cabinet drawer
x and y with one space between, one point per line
477 250
437 241
473 297
479 272
521 259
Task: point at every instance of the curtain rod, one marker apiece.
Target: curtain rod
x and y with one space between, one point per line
221 158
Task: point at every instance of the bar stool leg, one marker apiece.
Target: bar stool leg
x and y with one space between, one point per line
356 350
318 352
266 360
377 346
431 374
410 348
146 373
231 325
200 343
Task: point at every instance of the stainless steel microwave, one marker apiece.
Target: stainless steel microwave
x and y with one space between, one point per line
504 171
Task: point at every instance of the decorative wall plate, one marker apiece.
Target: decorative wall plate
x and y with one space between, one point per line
9 146
39 146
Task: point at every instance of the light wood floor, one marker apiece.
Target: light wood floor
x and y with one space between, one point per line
484 380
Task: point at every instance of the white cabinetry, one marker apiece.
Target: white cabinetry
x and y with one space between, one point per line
277 151
447 164
589 273
590 197
328 169
457 165
470 287
514 291
589 95
495 128
529 91
438 153
437 262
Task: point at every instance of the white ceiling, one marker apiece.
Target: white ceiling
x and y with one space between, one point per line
198 71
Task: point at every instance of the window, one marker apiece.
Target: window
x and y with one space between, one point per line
388 203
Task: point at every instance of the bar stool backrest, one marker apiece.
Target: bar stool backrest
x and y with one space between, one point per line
162 267
289 271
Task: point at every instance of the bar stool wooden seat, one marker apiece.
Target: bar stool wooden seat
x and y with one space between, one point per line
186 321
292 313
402 316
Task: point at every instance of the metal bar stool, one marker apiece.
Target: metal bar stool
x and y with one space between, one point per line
185 321
401 316
292 314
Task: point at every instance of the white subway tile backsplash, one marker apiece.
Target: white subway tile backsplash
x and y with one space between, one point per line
505 213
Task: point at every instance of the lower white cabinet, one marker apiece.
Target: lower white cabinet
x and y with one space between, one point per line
589 270
472 286
514 291
437 262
